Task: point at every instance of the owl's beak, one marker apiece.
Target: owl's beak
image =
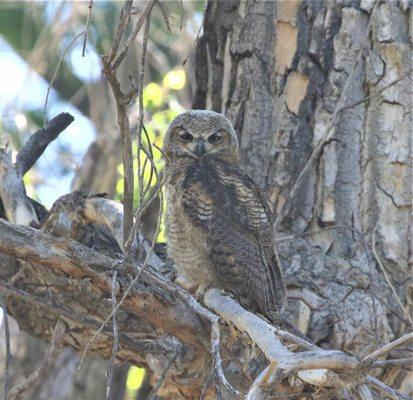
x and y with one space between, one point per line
200 147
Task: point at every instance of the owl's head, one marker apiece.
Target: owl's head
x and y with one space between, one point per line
199 133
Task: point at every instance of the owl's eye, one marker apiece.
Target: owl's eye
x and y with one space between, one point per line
186 137
214 138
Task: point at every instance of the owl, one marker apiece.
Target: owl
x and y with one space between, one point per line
218 225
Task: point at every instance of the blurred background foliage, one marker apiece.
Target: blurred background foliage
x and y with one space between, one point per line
39 53
34 36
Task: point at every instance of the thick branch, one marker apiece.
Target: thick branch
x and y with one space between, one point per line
38 142
72 258
17 206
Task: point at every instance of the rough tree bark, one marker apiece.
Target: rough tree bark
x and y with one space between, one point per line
277 70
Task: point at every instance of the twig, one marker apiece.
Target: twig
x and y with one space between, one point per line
165 15
388 347
363 392
119 58
219 376
57 308
56 71
379 92
125 14
38 141
141 111
142 208
8 352
382 387
162 377
115 348
161 151
111 62
205 386
285 396
197 34
182 15
89 16
129 288
397 362
386 276
45 365
123 121
328 134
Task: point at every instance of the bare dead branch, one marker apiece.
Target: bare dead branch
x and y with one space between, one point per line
125 14
70 257
162 377
27 244
387 278
65 312
182 15
382 387
119 58
197 34
219 376
38 141
165 15
126 140
6 384
57 70
141 111
89 17
115 348
316 367
364 392
129 288
18 207
393 363
388 348
111 62
34 379
379 92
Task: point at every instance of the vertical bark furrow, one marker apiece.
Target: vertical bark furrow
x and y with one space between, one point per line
288 63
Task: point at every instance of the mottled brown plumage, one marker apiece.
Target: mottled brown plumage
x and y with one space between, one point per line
218 224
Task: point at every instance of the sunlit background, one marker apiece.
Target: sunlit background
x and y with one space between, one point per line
33 38
38 54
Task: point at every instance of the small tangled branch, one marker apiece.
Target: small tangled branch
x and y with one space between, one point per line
89 17
115 348
8 352
387 278
72 42
45 365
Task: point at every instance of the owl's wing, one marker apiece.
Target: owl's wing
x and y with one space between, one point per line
226 204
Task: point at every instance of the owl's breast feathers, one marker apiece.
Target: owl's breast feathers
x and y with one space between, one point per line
227 207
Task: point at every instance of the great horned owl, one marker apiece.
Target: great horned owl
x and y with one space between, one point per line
218 226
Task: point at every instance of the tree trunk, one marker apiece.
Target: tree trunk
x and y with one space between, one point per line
278 70
319 95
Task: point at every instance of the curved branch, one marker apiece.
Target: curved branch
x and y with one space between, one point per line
38 141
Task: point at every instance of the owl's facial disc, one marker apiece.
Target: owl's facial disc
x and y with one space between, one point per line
196 144
201 133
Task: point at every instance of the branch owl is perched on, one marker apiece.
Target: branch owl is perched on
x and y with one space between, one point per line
218 226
